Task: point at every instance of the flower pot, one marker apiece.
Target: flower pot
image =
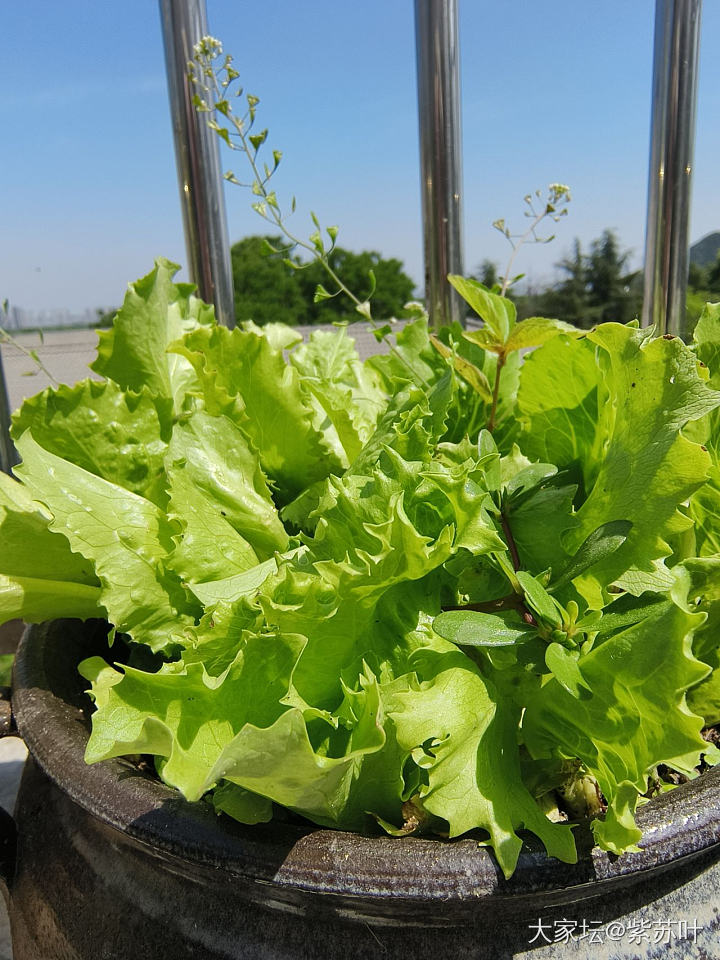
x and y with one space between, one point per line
113 864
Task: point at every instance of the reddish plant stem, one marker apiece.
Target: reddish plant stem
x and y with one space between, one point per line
511 602
512 546
515 557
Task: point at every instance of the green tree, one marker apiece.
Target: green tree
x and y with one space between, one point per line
596 287
569 301
703 286
266 288
393 287
697 277
487 274
713 277
613 292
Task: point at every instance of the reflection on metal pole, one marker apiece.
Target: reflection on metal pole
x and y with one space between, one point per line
675 70
198 162
438 70
8 455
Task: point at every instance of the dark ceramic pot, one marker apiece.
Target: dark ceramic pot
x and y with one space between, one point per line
111 865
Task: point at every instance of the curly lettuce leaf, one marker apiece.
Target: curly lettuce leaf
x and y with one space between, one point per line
393 519
634 719
240 366
127 538
40 577
155 313
236 729
309 671
185 716
464 736
561 403
415 360
707 341
698 588
347 392
337 780
220 497
616 422
704 507
648 468
113 433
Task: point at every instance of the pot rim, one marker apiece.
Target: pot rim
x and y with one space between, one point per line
677 826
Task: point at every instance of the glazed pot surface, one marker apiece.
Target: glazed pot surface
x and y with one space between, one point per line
108 848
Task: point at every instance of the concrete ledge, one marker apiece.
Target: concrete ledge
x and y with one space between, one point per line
12 760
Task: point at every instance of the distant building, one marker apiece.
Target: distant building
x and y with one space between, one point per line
21 319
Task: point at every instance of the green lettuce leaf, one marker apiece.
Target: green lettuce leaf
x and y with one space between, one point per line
464 735
299 538
40 577
617 424
415 360
155 313
698 588
220 498
412 359
235 729
241 366
348 392
704 506
127 538
561 402
328 780
116 435
185 716
241 804
648 468
707 341
634 719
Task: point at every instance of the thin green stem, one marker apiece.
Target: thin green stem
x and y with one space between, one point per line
516 246
273 214
512 601
496 392
30 354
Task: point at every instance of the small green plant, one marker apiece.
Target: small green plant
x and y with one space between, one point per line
31 354
501 335
218 89
554 206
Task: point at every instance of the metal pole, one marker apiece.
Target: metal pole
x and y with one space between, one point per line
438 81
675 71
202 199
8 454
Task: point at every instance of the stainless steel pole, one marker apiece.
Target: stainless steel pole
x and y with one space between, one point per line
198 162
438 81
675 71
8 454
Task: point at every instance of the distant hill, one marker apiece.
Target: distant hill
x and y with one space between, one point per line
704 253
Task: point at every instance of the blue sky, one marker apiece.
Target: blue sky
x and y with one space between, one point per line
552 91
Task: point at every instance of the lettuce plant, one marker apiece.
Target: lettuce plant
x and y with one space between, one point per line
333 590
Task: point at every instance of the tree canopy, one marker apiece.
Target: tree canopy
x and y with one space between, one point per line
267 288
